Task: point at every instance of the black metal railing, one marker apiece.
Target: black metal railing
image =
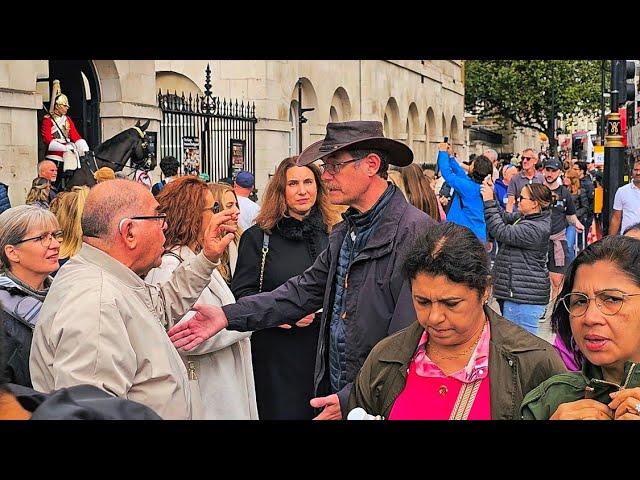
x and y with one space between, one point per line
220 132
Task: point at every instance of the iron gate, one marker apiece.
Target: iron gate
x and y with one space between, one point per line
221 133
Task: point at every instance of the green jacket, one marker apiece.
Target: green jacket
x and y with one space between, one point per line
518 361
544 400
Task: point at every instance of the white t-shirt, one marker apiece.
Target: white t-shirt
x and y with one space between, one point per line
627 200
248 212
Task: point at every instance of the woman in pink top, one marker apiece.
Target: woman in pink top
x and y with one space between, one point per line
460 360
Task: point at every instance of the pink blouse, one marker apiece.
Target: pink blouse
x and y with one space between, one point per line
430 394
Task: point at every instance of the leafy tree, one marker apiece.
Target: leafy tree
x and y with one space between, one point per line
531 93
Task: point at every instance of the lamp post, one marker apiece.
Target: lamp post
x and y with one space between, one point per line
613 151
601 135
552 140
301 111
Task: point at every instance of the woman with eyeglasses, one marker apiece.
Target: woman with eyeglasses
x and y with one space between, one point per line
598 314
520 274
29 244
222 365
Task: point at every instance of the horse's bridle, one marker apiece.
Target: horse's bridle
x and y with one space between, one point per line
144 145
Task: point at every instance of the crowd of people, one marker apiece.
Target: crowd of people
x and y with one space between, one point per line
360 281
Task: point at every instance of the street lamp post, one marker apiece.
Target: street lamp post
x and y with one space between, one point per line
301 111
613 151
601 136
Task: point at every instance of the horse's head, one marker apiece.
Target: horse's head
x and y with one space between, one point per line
141 156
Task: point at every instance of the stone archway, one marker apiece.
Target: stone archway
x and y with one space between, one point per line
455 133
391 122
340 110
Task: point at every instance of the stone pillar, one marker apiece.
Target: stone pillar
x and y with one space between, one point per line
19 103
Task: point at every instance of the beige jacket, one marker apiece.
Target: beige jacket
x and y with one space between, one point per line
222 364
103 325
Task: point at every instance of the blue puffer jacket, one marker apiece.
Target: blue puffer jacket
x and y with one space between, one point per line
5 204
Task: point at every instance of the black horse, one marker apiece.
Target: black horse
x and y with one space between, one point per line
129 145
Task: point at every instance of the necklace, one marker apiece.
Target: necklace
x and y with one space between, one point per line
453 356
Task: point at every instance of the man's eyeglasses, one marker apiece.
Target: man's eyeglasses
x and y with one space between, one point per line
608 302
160 216
334 168
45 238
527 158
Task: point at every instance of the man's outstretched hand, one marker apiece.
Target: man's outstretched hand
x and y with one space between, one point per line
207 321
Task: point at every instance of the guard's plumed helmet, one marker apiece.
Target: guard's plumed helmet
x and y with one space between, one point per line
57 97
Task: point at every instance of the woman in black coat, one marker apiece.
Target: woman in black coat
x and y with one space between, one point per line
520 274
291 230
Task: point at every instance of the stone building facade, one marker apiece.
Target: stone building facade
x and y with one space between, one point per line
418 101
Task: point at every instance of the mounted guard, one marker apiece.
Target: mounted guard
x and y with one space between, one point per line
64 144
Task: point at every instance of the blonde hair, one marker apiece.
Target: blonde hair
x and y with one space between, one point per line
39 191
218 190
69 210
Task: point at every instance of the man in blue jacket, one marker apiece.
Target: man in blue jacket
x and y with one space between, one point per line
466 205
357 280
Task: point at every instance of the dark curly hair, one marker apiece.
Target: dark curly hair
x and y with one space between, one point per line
453 251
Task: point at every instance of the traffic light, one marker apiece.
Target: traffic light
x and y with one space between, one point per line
626 85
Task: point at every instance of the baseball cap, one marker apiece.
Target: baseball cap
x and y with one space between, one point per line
245 179
552 163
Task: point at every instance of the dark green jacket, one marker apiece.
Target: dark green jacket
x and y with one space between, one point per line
544 400
518 361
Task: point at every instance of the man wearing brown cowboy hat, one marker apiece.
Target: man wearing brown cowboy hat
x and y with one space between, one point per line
357 280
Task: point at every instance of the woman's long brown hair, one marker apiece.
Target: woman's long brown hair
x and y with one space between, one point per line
274 203
574 181
419 192
183 200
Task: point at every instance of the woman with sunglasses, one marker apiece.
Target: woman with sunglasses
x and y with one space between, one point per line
520 274
598 314
29 244
221 366
224 195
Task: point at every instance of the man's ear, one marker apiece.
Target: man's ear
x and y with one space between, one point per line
128 234
374 162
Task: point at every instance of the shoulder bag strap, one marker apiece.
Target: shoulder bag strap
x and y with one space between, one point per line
465 399
265 249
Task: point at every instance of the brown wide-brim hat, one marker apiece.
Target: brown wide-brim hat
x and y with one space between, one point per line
356 135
